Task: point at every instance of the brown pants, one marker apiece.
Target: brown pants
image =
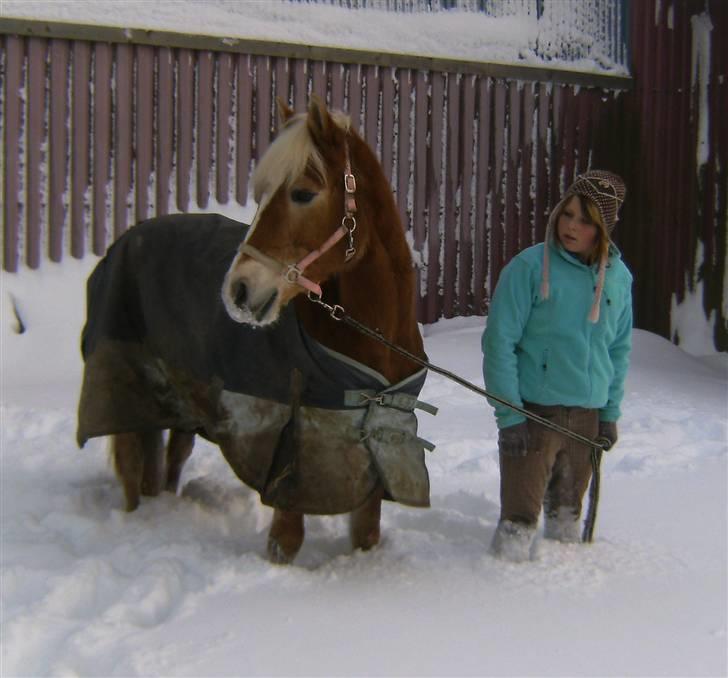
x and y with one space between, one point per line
556 471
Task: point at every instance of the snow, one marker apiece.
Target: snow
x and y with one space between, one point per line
181 587
689 326
701 29
557 41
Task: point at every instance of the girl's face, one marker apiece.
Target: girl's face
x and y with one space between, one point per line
575 230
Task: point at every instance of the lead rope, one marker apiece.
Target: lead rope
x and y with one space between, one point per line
338 313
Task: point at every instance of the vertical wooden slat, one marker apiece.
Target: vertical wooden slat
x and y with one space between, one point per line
540 215
482 191
645 56
525 178
300 84
244 131
584 114
123 136
338 74
283 80
672 113
263 78
205 98
58 142
185 116
388 140
371 112
465 246
661 171
420 161
452 184
81 77
14 57
496 224
164 131
319 83
682 148
433 299
555 155
355 87
224 92
568 143
35 134
143 130
512 165
403 143
101 142
419 198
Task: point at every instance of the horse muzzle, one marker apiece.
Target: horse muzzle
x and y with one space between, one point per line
249 296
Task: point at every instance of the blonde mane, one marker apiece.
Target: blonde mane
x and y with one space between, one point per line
290 154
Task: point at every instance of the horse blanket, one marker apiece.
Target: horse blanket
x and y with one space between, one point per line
309 429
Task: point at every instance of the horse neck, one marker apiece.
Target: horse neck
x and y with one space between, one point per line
379 293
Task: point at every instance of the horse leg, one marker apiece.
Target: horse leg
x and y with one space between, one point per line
152 443
285 536
128 456
179 449
364 522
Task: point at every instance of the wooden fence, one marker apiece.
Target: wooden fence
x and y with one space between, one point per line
102 128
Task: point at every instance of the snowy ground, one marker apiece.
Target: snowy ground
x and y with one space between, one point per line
181 587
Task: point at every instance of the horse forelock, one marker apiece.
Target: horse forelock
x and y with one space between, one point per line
291 153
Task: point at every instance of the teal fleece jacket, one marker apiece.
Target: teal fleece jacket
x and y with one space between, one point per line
548 352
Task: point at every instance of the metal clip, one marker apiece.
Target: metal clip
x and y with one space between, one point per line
378 399
292 274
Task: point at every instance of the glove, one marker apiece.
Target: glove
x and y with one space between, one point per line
513 440
607 436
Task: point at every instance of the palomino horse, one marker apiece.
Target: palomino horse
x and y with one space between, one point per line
162 350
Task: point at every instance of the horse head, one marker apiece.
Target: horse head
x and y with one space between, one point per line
305 230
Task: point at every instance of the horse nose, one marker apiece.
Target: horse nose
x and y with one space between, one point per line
240 294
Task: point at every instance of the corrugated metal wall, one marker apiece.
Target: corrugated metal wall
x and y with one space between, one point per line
99 135
669 138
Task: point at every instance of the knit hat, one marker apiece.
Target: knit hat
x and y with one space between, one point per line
606 190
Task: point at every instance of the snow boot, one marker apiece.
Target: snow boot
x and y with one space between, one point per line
512 541
563 526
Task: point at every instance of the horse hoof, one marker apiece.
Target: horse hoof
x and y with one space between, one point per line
131 504
367 542
277 554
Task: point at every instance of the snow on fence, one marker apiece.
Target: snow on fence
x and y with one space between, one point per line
566 29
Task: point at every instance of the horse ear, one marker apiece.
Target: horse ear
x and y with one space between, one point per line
320 123
285 112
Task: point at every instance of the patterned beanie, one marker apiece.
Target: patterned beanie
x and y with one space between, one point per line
607 191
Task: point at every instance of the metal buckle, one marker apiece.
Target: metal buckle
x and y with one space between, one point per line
349 183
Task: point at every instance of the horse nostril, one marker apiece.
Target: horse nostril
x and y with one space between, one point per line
240 294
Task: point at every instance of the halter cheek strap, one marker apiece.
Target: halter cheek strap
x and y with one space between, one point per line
293 273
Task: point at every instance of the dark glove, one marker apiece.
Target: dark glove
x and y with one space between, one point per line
513 440
607 434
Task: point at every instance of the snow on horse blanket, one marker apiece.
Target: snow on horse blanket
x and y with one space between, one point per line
309 429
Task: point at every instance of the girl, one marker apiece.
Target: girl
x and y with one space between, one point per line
557 342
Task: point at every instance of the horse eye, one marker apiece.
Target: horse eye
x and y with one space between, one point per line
302 196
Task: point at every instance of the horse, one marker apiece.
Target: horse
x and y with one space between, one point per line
186 312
